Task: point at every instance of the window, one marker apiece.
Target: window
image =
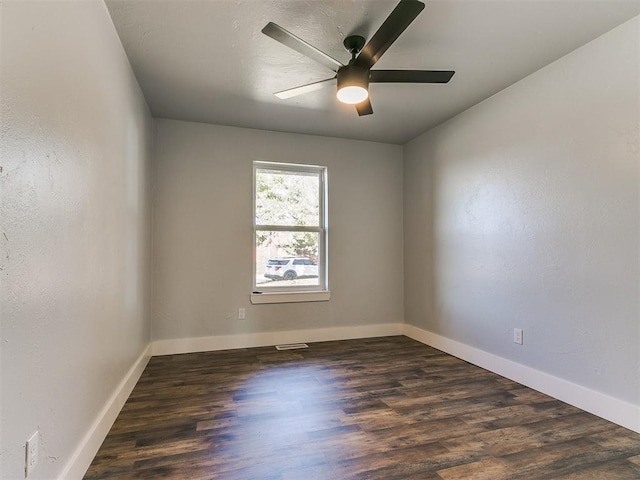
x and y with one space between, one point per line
289 231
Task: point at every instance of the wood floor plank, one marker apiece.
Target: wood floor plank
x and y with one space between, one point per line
486 469
378 409
615 470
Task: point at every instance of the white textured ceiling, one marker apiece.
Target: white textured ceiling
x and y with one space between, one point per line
207 60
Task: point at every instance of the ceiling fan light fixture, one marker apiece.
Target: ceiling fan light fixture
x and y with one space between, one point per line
353 84
352 94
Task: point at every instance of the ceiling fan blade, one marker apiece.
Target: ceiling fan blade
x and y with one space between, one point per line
405 12
410 76
364 108
290 40
310 87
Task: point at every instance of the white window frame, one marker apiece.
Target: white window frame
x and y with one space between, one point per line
298 293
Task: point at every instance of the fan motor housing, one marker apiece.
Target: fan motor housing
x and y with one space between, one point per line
353 75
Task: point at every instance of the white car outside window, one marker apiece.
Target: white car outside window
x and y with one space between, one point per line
290 268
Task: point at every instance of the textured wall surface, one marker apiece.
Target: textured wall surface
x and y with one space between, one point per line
75 226
202 209
524 212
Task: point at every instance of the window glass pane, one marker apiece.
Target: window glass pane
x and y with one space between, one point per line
287 258
287 198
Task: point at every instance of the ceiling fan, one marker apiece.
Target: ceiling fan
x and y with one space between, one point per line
353 79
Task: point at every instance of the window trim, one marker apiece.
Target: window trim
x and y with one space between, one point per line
289 297
302 293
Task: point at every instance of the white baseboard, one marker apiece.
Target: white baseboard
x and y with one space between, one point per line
617 411
82 457
248 340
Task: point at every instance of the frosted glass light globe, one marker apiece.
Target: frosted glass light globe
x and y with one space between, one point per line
352 94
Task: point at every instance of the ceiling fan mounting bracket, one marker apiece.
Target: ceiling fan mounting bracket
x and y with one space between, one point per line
354 43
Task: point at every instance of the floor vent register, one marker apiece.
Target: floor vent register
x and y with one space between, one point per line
292 346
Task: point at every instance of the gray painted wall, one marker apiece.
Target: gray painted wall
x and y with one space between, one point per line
75 226
524 212
202 217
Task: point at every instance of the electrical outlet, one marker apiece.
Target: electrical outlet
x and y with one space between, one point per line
241 314
31 455
518 336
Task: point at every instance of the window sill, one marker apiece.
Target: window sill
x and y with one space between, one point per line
290 297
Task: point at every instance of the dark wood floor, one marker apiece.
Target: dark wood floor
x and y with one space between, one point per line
388 408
